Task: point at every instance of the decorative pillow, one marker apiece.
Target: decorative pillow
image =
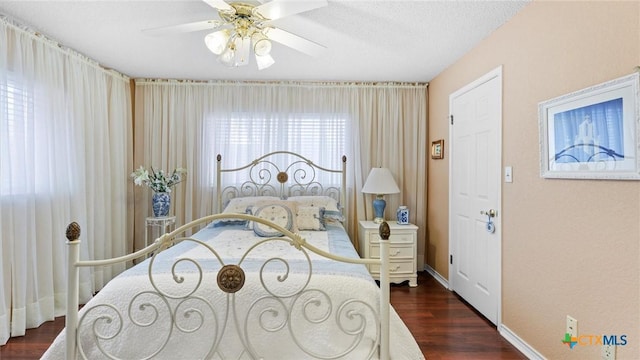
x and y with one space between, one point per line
329 204
226 222
326 202
310 218
278 213
239 205
333 215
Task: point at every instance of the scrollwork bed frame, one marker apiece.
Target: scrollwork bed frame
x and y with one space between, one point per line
231 275
267 177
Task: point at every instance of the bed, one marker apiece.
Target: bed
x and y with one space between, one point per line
272 275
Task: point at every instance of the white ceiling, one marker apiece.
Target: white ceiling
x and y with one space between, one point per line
406 41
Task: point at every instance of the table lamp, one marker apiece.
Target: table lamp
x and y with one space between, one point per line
380 182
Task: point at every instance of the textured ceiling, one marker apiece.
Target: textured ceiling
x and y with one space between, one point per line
408 41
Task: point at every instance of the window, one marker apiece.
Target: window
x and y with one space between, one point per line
241 139
34 149
16 115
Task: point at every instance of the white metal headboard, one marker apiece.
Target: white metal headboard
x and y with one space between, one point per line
281 174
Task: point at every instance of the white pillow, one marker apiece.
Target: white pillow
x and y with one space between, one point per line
281 213
330 205
326 202
310 218
239 205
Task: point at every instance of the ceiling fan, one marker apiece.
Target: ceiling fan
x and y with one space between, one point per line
246 25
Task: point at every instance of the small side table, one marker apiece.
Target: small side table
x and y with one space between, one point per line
402 250
162 224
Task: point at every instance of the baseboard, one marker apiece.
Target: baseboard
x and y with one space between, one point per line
519 344
436 276
504 331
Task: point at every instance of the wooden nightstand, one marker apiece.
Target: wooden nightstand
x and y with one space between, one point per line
402 250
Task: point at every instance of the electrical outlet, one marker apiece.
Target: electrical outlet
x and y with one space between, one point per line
608 352
572 326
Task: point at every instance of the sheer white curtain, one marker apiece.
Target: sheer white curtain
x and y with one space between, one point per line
384 124
65 152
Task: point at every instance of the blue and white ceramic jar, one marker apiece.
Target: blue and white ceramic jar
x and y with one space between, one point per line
161 203
403 215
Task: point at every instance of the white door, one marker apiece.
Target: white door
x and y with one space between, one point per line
475 188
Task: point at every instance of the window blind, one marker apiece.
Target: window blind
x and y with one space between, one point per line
313 136
16 122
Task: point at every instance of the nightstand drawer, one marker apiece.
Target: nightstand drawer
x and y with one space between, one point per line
395 267
397 237
395 252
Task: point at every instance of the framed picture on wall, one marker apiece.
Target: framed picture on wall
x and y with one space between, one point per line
592 133
437 149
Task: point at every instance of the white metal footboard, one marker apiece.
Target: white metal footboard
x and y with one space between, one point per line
231 278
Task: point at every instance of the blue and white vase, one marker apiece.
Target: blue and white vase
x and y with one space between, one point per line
161 202
403 215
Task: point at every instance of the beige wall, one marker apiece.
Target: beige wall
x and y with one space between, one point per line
569 246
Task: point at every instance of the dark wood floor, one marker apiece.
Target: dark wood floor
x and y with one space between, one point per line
444 326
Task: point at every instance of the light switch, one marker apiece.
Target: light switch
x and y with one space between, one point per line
508 175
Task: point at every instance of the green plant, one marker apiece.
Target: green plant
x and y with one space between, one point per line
158 180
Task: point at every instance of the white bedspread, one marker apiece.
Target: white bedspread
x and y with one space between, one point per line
279 310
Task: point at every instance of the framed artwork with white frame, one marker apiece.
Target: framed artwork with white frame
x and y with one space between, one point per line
592 133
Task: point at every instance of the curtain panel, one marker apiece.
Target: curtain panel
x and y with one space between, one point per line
66 149
386 126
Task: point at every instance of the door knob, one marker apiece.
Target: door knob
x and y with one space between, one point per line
490 213
491 228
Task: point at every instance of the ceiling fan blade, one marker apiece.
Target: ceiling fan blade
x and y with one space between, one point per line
183 28
294 41
276 9
220 5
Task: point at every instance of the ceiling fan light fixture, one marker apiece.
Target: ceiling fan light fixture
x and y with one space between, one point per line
243 50
264 61
262 46
217 41
227 57
246 26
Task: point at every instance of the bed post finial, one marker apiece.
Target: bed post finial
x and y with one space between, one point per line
384 230
344 158
219 157
73 231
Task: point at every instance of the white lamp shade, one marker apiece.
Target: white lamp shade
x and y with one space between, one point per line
243 47
264 61
227 57
217 41
262 47
380 181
